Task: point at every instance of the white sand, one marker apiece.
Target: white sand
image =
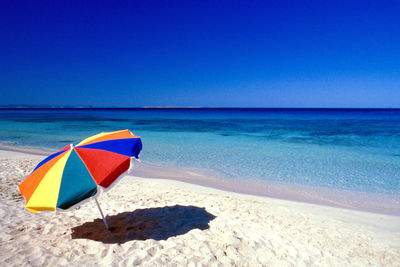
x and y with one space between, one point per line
158 222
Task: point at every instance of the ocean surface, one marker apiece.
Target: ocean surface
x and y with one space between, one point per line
350 149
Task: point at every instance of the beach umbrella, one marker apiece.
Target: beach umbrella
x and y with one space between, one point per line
76 173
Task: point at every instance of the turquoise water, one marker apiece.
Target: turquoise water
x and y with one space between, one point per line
342 149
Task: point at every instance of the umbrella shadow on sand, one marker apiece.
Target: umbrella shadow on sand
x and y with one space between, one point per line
141 224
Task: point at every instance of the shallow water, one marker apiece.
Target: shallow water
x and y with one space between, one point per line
340 149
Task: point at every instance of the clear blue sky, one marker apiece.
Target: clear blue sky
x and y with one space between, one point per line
200 53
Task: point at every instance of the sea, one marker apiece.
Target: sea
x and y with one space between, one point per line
344 153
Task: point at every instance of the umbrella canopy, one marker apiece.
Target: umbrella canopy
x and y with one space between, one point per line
75 173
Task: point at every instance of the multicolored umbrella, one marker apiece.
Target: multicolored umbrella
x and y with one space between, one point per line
75 173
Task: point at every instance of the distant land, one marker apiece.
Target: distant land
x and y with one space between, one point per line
90 107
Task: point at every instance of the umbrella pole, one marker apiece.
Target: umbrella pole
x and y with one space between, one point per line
101 212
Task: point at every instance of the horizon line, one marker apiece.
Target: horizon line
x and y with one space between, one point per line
88 107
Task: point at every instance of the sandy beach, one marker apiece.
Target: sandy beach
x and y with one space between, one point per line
161 222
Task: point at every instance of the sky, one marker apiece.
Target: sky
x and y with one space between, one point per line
200 53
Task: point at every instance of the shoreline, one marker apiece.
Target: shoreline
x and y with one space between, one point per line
27 149
347 199
339 198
